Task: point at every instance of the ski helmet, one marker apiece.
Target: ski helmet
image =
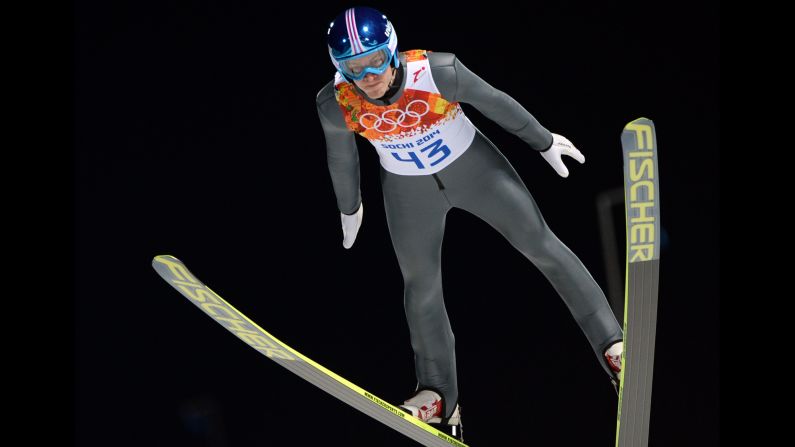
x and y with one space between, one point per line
362 40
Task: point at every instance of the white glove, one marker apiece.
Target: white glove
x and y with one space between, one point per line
554 155
350 226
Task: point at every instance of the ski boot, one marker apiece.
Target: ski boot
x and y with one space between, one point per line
613 359
428 406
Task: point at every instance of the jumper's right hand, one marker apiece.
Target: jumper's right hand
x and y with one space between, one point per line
350 226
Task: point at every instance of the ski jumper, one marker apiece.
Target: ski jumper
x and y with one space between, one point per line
433 159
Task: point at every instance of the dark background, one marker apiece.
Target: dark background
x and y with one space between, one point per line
196 135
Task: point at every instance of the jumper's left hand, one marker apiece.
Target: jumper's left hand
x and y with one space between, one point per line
554 155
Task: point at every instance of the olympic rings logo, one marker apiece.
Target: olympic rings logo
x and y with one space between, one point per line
394 118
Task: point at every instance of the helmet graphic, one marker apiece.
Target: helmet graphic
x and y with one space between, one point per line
362 40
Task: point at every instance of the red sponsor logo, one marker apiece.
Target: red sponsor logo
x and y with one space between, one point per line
427 413
418 73
614 361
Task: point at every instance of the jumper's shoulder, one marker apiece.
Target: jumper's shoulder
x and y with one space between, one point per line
325 94
441 59
444 73
329 110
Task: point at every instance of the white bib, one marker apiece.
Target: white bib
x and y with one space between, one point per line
419 134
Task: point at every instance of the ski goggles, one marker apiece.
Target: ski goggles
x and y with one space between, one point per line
358 67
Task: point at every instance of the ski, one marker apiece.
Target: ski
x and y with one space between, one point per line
175 273
642 211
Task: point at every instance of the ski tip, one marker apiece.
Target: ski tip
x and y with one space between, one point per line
160 258
639 119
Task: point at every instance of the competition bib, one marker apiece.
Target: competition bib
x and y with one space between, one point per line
421 133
